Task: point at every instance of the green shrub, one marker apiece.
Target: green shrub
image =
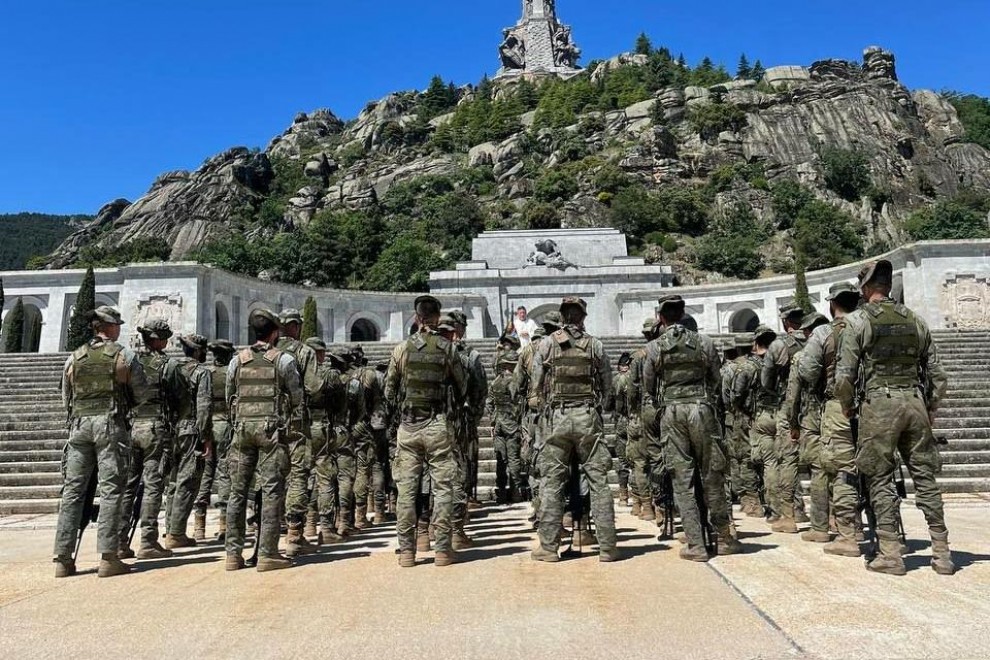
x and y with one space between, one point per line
405 265
974 113
556 185
847 173
788 197
710 119
539 215
826 236
961 217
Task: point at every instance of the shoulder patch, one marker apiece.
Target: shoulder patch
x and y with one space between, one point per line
245 356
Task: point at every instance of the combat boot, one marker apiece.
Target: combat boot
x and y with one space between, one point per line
610 555
422 537
584 538
361 517
445 558
234 562
64 567
295 543
407 559
636 506
328 533
153 551
889 560
125 552
274 563
544 555
786 524
773 517
800 515
199 525
727 543
309 531
624 495
813 536
222 526
380 514
845 545
694 553
111 566
647 512
173 541
941 555
460 540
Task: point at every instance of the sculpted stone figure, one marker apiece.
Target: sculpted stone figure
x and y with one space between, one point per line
513 50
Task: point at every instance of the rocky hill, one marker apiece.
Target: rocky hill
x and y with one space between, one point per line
28 237
719 176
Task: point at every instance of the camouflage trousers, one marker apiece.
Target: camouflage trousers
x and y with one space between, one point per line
334 467
532 446
639 470
254 449
380 471
187 472
762 441
215 471
300 465
624 467
744 480
838 460
575 432
691 440
97 442
787 454
891 423
150 458
422 443
507 436
811 455
363 440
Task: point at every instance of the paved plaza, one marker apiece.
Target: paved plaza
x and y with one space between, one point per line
783 598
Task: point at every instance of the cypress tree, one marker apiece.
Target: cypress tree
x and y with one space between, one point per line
309 328
13 336
744 70
801 297
79 330
643 45
756 73
1 297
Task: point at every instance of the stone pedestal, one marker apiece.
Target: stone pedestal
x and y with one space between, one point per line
538 44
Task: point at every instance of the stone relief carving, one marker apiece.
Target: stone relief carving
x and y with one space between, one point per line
965 302
539 43
167 307
548 255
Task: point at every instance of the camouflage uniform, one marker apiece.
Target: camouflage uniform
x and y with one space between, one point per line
364 398
571 367
681 375
744 479
531 440
264 393
328 411
465 427
506 413
886 353
756 406
620 411
215 472
100 382
639 431
421 371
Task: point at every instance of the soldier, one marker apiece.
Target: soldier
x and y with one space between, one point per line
423 373
620 412
192 438
838 450
505 411
364 399
759 407
745 479
681 376
726 374
887 355
100 383
300 460
572 370
803 412
380 473
151 436
773 378
327 410
215 471
477 393
263 392
639 431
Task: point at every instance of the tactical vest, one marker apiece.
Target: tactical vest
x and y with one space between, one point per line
571 369
892 358
499 391
425 373
682 366
759 397
219 381
96 379
830 354
636 378
259 394
622 383
187 391
791 348
154 373
357 402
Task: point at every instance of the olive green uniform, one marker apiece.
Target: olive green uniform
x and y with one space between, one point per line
739 421
100 382
328 410
639 431
364 398
215 472
298 437
620 411
532 442
424 374
803 412
773 378
506 415
571 367
192 429
755 409
465 428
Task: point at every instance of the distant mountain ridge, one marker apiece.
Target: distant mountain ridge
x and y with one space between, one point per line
33 235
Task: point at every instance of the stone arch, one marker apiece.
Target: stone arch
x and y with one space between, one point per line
221 329
743 320
364 330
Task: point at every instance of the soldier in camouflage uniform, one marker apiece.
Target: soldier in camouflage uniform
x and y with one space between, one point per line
758 408
505 411
327 410
215 471
381 474
838 450
151 442
773 378
193 438
300 459
364 400
620 412
681 378
477 394
803 412
639 430
726 374
887 355
572 369
424 374
744 479
100 383
264 390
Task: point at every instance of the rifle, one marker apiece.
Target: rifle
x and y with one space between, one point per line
256 519
663 498
708 535
91 510
577 507
901 487
135 515
873 547
761 490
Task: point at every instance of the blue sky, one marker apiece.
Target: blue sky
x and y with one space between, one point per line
98 98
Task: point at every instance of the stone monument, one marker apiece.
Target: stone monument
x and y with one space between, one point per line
538 44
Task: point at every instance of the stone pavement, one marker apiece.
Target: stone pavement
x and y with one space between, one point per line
784 598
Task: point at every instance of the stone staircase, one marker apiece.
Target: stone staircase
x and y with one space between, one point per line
33 430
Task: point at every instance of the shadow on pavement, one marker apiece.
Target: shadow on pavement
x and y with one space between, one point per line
143 566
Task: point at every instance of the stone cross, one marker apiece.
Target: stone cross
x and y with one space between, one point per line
538 43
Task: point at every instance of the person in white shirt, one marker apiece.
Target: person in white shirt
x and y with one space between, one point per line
524 326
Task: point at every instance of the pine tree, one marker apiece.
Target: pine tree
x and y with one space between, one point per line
1 297
744 70
13 335
309 328
438 98
80 331
801 297
756 73
643 45
485 88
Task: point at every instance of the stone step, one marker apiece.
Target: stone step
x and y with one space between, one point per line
944 423
53 424
30 492
23 455
981 458
28 506
38 444
23 467
967 433
31 479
